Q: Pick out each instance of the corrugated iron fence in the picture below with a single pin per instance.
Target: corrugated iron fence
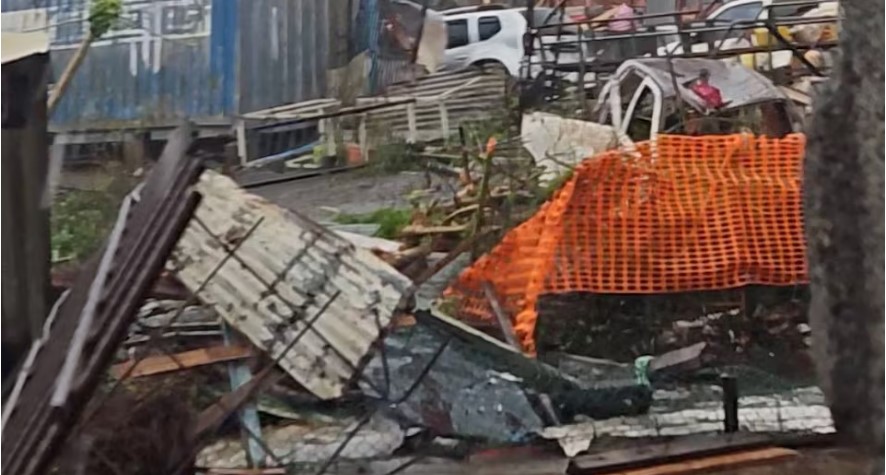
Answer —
(167, 59)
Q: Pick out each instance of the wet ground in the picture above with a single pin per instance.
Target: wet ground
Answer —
(354, 192)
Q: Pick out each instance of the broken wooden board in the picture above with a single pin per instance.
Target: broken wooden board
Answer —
(665, 452)
(290, 279)
(419, 230)
(159, 364)
(716, 463)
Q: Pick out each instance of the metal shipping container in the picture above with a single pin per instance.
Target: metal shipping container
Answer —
(208, 60)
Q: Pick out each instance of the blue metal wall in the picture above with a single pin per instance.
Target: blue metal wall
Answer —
(284, 47)
(203, 59)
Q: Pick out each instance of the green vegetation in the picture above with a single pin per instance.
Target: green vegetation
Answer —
(80, 221)
(391, 157)
(103, 16)
(550, 189)
(390, 220)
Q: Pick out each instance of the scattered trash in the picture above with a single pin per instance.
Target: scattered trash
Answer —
(546, 281)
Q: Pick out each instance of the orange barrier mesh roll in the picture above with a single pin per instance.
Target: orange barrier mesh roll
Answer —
(682, 214)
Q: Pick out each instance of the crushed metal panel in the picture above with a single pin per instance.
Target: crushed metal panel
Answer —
(318, 265)
(739, 85)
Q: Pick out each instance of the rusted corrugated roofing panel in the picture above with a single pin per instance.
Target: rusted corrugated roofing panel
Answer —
(283, 275)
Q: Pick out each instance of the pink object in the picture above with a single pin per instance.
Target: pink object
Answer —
(710, 94)
(623, 19)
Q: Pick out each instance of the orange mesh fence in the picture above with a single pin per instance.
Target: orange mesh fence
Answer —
(684, 214)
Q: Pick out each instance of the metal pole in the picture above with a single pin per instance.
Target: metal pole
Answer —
(374, 34)
(730, 403)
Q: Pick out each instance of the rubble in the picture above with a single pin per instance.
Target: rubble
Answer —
(300, 444)
(801, 410)
(165, 363)
(460, 395)
(678, 361)
(327, 342)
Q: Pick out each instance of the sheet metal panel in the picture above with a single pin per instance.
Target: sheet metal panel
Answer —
(25, 210)
(312, 272)
(152, 69)
(284, 47)
(204, 59)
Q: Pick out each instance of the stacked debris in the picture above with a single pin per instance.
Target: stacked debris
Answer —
(299, 346)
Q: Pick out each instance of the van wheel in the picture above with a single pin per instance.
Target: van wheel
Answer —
(488, 66)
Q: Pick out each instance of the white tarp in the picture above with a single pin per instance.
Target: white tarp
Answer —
(558, 144)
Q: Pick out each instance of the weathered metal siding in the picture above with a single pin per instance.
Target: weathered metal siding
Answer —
(284, 47)
(154, 68)
(203, 59)
(25, 211)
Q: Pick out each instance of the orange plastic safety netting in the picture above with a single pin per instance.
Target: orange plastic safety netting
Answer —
(682, 214)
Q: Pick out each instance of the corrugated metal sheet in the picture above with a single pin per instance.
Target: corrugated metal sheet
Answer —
(203, 59)
(468, 96)
(307, 265)
(284, 46)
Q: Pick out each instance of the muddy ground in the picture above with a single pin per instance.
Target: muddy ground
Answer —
(351, 192)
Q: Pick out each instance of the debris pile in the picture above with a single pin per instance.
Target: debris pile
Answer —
(592, 304)
(620, 226)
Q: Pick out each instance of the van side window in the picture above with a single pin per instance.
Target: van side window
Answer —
(456, 33)
(748, 11)
(488, 26)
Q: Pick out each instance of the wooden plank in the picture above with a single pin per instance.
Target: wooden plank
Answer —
(164, 363)
(715, 463)
(246, 471)
(419, 230)
(681, 448)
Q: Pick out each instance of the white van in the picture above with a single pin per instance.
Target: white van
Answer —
(494, 36)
